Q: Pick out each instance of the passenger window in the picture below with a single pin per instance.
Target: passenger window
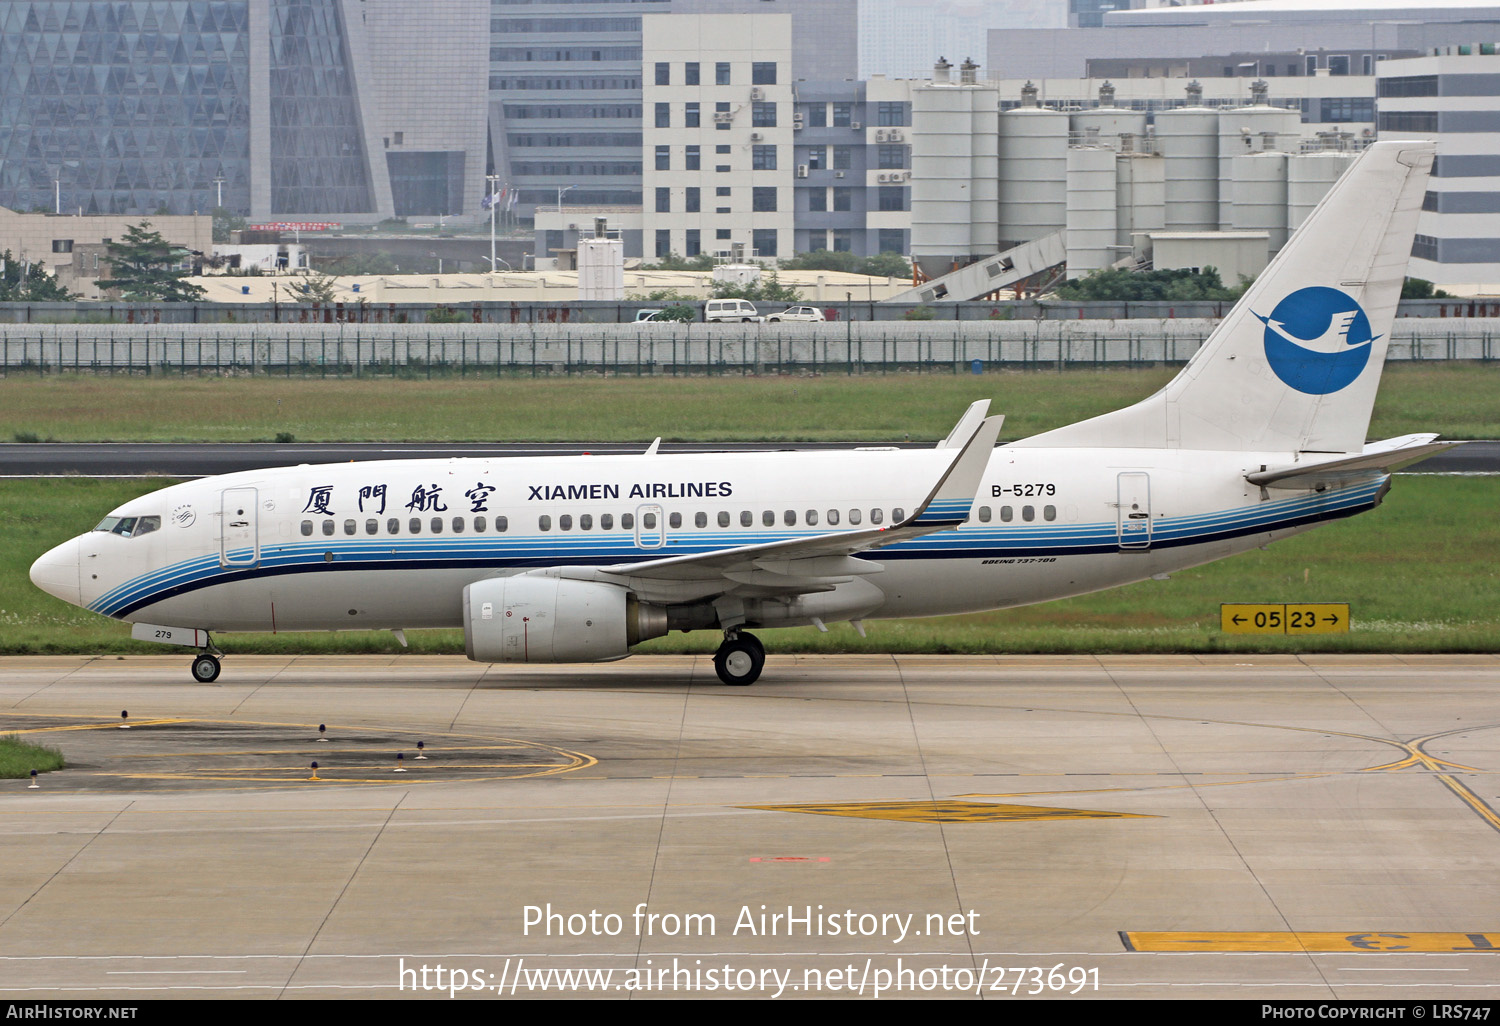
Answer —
(627, 521)
(307, 528)
(1028, 513)
(606, 521)
(350, 527)
(328, 528)
(674, 519)
(984, 514)
(146, 525)
(897, 515)
(479, 525)
(544, 523)
(854, 517)
(372, 527)
(768, 517)
(393, 526)
(502, 524)
(700, 519)
(812, 518)
(876, 516)
(747, 518)
(437, 525)
(1007, 514)
(414, 525)
(458, 525)
(789, 518)
(586, 522)
(565, 522)
(1049, 512)
(648, 521)
(833, 518)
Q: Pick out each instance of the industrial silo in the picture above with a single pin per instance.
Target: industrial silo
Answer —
(1108, 125)
(953, 186)
(1258, 196)
(1033, 164)
(1309, 176)
(1258, 128)
(1140, 188)
(1090, 209)
(1188, 140)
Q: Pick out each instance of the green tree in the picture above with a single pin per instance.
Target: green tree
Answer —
(1181, 285)
(882, 265)
(145, 268)
(825, 260)
(21, 282)
(673, 262)
(767, 290)
(887, 265)
(1421, 288)
(226, 221)
(316, 288)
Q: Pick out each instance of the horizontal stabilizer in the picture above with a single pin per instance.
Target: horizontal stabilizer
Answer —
(1378, 458)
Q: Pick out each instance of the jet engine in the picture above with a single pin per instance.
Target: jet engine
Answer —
(550, 620)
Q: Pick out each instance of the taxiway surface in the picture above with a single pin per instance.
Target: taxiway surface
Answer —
(1246, 827)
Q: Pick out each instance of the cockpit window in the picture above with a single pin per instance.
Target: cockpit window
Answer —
(129, 527)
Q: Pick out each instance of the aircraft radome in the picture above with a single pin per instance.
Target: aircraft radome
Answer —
(580, 558)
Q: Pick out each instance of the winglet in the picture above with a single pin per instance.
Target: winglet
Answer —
(652, 449)
(964, 429)
(949, 503)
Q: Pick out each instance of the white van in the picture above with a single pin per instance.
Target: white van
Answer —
(731, 310)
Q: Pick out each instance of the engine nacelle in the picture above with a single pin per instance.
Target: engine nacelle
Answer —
(551, 620)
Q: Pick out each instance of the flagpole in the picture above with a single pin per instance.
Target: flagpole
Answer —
(492, 180)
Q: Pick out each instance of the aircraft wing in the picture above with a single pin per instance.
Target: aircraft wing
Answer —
(820, 562)
(1378, 458)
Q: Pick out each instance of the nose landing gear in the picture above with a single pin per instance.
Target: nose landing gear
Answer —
(205, 668)
(206, 662)
(740, 659)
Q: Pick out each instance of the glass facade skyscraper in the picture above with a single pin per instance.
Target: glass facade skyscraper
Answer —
(124, 107)
(318, 159)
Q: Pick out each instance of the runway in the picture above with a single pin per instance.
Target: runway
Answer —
(185, 460)
(1267, 827)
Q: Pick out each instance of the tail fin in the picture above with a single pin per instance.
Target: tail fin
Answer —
(1295, 365)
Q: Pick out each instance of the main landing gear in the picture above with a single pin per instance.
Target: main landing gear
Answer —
(740, 659)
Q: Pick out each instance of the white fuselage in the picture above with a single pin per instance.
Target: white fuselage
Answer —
(392, 545)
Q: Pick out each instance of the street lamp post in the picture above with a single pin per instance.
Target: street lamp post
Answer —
(561, 189)
(219, 185)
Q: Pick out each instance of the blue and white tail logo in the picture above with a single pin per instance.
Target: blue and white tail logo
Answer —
(1317, 340)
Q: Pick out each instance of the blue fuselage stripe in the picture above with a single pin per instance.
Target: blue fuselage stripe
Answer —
(499, 551)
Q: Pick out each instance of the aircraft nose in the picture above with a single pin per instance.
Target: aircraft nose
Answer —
(56, 572)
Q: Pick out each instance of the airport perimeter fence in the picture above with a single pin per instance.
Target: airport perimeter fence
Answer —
(472, 350)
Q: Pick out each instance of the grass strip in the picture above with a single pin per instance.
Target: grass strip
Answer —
(1456, 399)
(18, 758)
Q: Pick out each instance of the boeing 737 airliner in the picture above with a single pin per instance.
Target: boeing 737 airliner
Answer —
(578, 559)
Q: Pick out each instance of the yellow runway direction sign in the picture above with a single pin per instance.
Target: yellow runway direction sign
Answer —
(1284, 617)
(1335, 943)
